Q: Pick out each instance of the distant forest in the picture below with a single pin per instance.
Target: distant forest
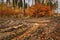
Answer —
(28, 3)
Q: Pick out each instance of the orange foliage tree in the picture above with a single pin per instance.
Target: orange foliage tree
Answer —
(39, 10)
(6, 11)
(35, 10)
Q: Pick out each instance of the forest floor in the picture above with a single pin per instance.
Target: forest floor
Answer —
(43, 28)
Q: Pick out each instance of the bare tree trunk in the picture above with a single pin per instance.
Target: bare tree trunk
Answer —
(32, 2)
(14, 3)
(2, 1)
(8, 2)
(24, 6)
(28, 4)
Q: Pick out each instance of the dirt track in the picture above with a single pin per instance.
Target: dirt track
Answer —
(30, 29)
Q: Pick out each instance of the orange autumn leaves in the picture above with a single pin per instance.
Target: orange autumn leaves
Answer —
(4, 11)
(7, 11)
(35, 10)
(38, 10)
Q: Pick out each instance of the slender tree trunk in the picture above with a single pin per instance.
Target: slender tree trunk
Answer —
(35, 1)
(8, 2)
(14, 3)
(20, 3)
(2, 1)
(24, 7)
(32, 2)
(28, 3)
